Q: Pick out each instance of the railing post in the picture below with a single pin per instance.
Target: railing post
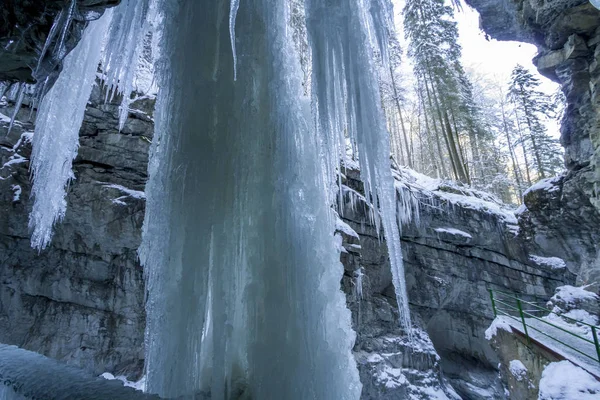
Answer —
(523, 319)
(493, 303)
(595, 334)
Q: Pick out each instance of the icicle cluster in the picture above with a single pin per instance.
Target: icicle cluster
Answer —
(125, 41)
(56, 137)
(346, 98)
(62, 109)
(242, 274)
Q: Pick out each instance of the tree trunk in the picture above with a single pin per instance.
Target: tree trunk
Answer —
(408, 154)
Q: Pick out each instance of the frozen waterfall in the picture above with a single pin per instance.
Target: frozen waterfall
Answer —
(242, 269)
(243, 275)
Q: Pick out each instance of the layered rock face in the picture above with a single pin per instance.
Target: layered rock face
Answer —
(35, 35)
(82, 299)
(458, 245)
(563, 222)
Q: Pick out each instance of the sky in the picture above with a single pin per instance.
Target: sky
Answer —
(494, 58)
(491, 59)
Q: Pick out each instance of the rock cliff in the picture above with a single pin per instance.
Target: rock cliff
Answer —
(563, 221)
(35, 35)
(82, 299)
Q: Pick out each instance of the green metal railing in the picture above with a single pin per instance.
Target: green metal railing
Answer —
(513, 306)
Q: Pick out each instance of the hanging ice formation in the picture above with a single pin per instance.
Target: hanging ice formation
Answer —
(346, 96)
(242, 275)
(56, 137)
(61, 111)
(243, 278)
(124, 43)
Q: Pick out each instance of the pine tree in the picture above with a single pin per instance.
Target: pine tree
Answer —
(448, 97)
(532, 107)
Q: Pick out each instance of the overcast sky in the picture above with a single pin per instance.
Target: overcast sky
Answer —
(489, 58)
(494, 58)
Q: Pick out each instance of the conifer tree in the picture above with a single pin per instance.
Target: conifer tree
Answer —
(532, 107)
(448, 97)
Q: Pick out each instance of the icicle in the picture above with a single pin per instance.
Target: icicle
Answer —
(233, 10)
(340, 33)
(59, 48)
(49, 39)
(56, 137)
(358, 283)
(124, 44)
(18, 105)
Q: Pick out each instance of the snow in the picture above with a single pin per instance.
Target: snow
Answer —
(139, 385)
(391, 378)
(500, 322)
(548, 185)
(564, 381)
(573, 294)
(453, 231)
(481, 205)
(549, 262)
(26, 137)
(517, 369)
(136, 194)
(458, 195)
(521, 209)
(16, 192)
(573, 340)
(15, 159)
(345, 228)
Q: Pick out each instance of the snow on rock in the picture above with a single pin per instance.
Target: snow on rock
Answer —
(25, 138)
(345, 228)
(548, 262)
(15, 159)
(16, 192)
(455, 232)
(139, 385)
(497, 323)
(573, 295)
(565, 381)
(136, 194)
(391, 378)
(518, 370)
(549, 185)
(338, 241)
(456, 194)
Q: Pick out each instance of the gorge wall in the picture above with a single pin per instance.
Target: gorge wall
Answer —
(82, 299)
(563, 221)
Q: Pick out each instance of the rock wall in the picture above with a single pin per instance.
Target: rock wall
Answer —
(459, 244)
(24, 30)
(82, 299)
(567, 33)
